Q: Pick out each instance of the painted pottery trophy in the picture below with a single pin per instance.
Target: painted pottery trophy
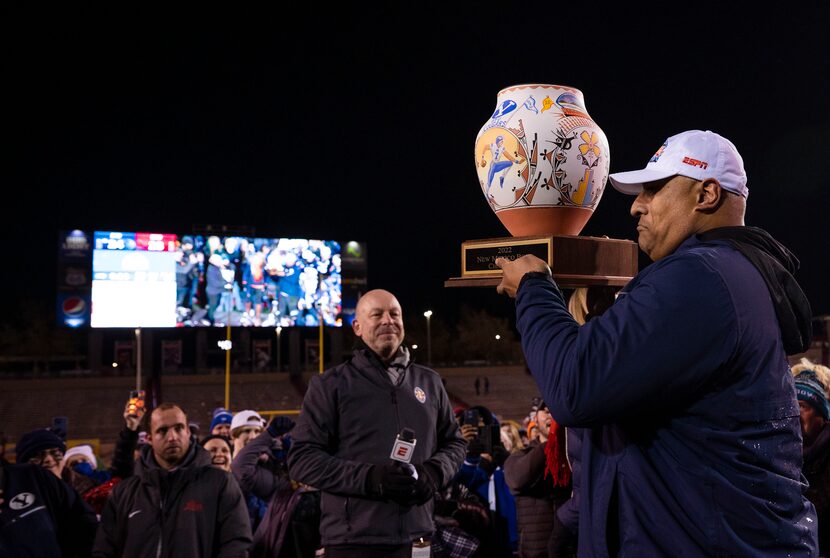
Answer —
(542, 165)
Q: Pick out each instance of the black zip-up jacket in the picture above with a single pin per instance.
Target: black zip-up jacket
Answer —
(41, 516)
(195, 510)
(349, 420)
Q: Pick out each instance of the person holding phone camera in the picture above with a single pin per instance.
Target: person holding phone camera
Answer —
(482, 473)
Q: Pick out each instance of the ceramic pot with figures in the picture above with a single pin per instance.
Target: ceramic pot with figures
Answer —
(542, 161)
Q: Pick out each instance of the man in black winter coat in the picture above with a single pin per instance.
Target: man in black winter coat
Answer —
(176, 504)
(346, 431)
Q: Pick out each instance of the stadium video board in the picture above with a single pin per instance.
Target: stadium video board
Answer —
(144, 279)
(133, 280)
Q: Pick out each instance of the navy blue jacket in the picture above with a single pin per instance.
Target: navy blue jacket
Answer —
(695, 445)
(568, 512)
(42, 516)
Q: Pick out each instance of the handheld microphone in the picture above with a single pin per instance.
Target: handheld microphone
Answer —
(403, 450)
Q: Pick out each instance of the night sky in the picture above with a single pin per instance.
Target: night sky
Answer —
(361, 125)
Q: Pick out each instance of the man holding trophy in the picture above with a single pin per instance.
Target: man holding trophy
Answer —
(693, 445)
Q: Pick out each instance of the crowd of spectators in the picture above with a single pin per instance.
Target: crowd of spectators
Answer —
(257, 281)
(169, 493)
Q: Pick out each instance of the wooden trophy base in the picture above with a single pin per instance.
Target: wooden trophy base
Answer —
(576, 261)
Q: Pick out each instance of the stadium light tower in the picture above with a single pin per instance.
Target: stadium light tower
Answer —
(138, 358)
(428, 315)
(279, 349)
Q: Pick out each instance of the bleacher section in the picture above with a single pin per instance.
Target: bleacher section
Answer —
(94, 405)
(511, 389)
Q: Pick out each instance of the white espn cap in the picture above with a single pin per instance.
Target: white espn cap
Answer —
(696, 154)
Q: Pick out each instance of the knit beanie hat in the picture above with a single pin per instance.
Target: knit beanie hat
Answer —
(85, 450)
(32, 443)
(220, 416)
(808, 388)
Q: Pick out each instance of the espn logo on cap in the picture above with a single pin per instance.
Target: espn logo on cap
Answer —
(695, 163)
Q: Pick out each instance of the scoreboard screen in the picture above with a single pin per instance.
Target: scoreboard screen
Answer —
(147, 279)
(133, 280)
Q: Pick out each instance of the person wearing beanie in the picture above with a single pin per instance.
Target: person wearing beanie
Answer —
(79, 454)
(40, 515)
(41, 447)
(220, 425)
(811, 388)
(811, 384)
(683, 382)
(540, 482)
(79, 467)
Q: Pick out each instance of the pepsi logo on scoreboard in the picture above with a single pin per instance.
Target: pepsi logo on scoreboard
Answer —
(73, 310)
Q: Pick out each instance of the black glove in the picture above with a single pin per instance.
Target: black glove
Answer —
(279, 425)
(390, 482)
(500, 455)
(427, 483)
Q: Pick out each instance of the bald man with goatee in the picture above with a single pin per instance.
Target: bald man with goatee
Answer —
(348, 426)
